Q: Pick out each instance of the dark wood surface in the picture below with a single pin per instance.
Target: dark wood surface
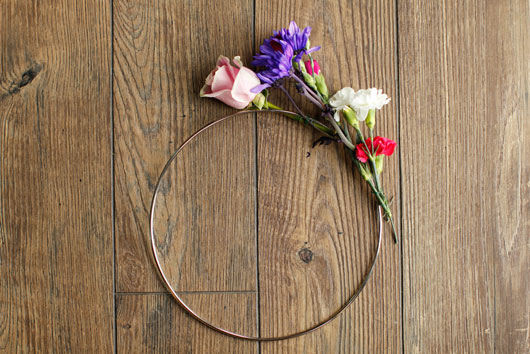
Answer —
(56, 245)
(259, 232)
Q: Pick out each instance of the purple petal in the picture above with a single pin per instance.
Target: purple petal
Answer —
(259, 88)
(314, 49)
(293, 28)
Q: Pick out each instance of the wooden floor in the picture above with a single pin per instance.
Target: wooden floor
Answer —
(260, 232)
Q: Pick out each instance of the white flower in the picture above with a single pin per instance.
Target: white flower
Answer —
(365, 100)
(341, 99)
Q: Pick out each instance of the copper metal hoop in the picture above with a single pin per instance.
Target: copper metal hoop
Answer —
(193, 313)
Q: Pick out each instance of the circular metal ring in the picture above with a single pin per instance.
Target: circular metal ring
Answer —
(193, 313)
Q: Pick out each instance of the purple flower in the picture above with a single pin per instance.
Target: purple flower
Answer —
(278, 52)
(276, 58)
(297, 39)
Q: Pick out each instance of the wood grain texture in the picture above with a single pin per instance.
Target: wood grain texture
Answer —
(317, 204)
(464, 109)
(163, 52)
(272, 240)
(507, 174)
(204, 216)
(154, 323)
(55, 185)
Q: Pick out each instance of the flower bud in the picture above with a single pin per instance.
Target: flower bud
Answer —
(297, 67)
(310, 69)
(379, 163)
(259, 100)
(234, 90)
(309, 80)
(370, 119)
(321, 86)
(365, 172)
(350, 117)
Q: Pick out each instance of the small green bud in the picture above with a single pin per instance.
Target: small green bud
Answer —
(259, 100)
(365, 171)
(379, 164)
(351, 117)
(309, 80)
(321, 86)
(303, 68)
(308, 44)
(370, 119)
(297, 66)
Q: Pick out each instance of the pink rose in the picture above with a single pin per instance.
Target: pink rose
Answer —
(382, 146)
(231, 85)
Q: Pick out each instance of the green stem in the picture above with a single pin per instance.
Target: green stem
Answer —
(313, 122)
(360, 135)
(339, 131)
(372, 139)
(384, 204)
(376, 188)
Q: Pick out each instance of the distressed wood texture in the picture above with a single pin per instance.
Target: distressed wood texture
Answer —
(151, 323)
(318, 204)
(163, 50)
(259, 232)
(464, 84)
(55, 180)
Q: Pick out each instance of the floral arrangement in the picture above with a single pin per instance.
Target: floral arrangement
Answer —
(287, 57)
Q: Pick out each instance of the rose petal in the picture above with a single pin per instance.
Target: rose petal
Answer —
(222, 80)
(238, 62)
(225, 96)
(222, 61)
(246, 80)
(209, 78)
(206, 89)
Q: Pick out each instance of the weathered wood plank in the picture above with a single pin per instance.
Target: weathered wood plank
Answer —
(464, 100)
(318, 203)
(507, 172)
(154, 323)
(55, 182)
(447, 304)
(163, 52)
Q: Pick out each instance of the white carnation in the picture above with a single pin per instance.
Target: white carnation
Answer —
(341, 99)
(365, 100)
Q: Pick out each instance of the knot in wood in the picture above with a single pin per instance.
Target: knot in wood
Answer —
(306, 255)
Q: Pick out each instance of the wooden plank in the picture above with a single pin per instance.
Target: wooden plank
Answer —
(163, 52)
(507, 174)
(55, 205)
(318, 204)
(464, 77)
(154, 323)
(447, 304)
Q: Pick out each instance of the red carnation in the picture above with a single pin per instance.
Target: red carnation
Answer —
(382, 146)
